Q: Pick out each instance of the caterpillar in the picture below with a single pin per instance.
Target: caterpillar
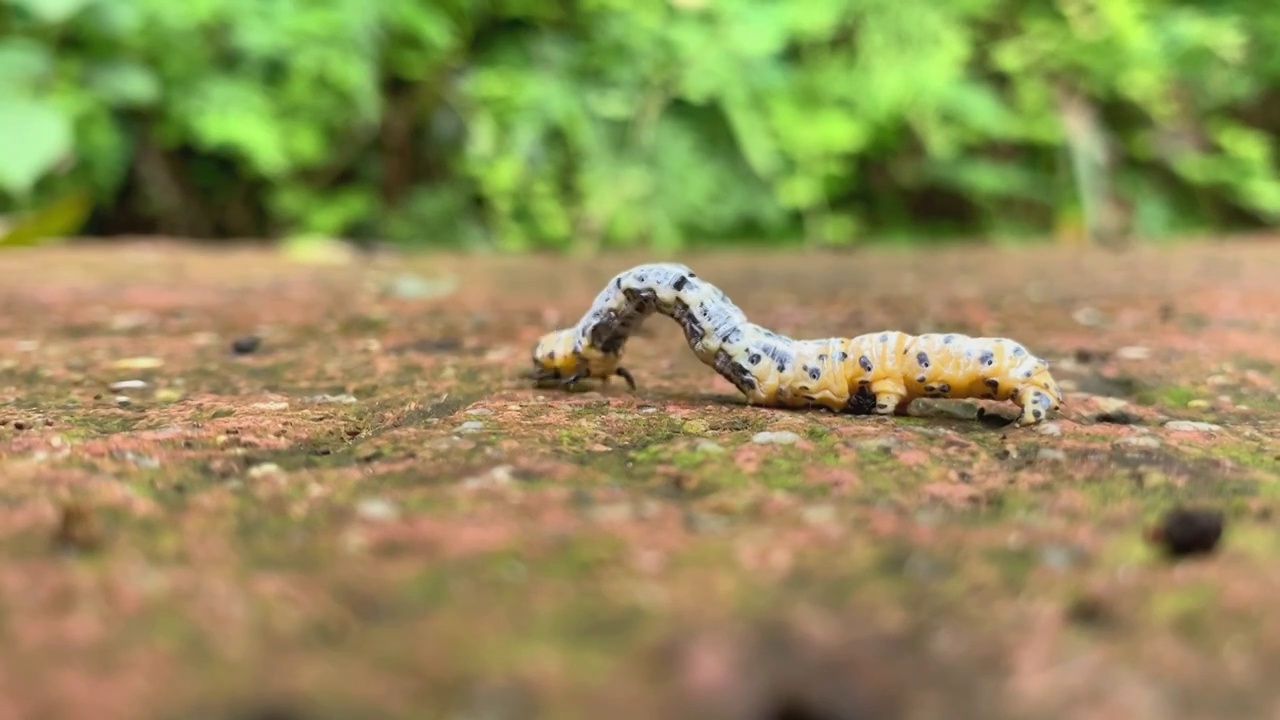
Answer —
(879, 372)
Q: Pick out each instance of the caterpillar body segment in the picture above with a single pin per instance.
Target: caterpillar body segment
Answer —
(936, 365)
(874, 373)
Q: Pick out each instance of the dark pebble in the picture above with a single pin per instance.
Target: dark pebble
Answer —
(79, 529)
(1184, 532)
(1119, 417)
(1088, 355)
(246, 345)
(1091, 610)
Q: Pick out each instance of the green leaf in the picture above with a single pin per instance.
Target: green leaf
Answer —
(59, 219)
(124, 84)
(23, 63)
(34, 137)
(52, 12)
(238, 116)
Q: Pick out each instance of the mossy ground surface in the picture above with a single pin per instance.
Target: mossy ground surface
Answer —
(373, 516)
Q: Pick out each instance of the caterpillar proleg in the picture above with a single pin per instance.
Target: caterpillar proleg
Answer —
(879, 372)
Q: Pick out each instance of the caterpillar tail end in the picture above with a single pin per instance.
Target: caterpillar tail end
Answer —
(1036, 404)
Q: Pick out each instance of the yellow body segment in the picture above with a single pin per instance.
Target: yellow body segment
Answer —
(875, 363)
(769, 386)
(816, 378)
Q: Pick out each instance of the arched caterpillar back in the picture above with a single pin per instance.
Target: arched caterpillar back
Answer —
(872, 373)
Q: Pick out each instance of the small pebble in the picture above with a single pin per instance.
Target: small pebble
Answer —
(781, 437)
(142, 461)
(693, 427)
(1140, 441)
(1059, 557)
(408, 286)
(128, 385)
(479, 411)
(131, 320)
(883, 445)
(377, 510)
(470, 426)
(1198, 404)
(246, 344)
(264, 469)
(700, 522)
(278, 405)
(1089, 609)
(611, 512)
(1133, 352)
(1191, 426)
(1049, 429)
(79, 529)
(707, 446)
(497, 476)
(819, 515)
(1118, 417)
(1107, 404)
(1050, 454)
(138, 363)
(123, 400)
(1089, 317)
(344, 399)
(1184, 532)
(944, 408)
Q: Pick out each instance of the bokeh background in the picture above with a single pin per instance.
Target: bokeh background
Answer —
(578, 125)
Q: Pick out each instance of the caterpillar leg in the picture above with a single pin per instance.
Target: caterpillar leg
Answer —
(572, 381)
(626, 375)
(891, 397)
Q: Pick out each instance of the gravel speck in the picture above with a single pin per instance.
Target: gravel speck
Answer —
(1133, 352)
(377, 510)
(780, 437)
(1139, 441)
(1191, 426)
(265, 469)
(344, 399)
(1049, 429)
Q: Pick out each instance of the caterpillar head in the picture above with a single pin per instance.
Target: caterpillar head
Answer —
(557, 357)
(554, 357)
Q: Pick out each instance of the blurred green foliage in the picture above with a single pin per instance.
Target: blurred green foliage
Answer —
(577, 124)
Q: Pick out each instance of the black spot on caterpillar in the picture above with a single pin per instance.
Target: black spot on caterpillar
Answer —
(888, 368)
